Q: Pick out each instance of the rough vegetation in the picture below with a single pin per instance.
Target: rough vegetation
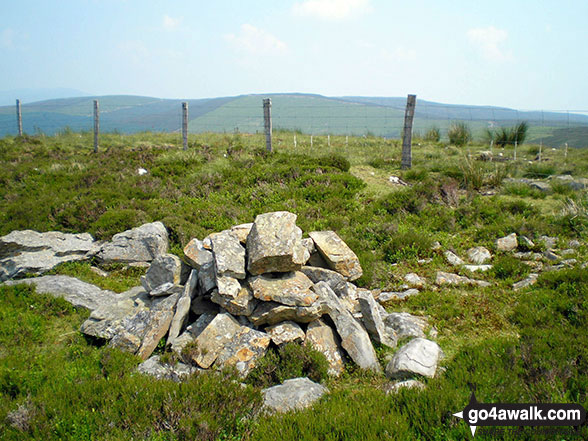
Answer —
(512, 345)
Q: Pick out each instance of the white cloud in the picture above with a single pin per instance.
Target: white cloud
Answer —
(7, 38)
(489, 41)
(332, 9)
(171, 24)
(256, 41)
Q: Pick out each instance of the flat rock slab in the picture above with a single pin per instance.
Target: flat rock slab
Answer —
(165, 268)
(285, 332)
(323, 339)
(444, 278)
(394, 388)
(291, 289)
(530, 280)
(373, 321)
(274, 244)
(294, 394)
(176, 372)
(418, 357)
(141, 244)
(270, 313)
(337, 254)
(243, 351)
(406, 325)
(228, 254)
(79, 294)
(28, 251)
(479, 255)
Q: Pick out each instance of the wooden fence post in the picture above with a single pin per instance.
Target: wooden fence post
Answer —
(407, 133)
(267, 123)
(18, 117)
(185, 125)
(96, 125)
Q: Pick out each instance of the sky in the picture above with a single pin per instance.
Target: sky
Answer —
(525, 54)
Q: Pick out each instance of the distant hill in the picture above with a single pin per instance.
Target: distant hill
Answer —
(315, 114)
(8, 97)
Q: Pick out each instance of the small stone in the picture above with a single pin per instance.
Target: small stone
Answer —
(323, 339)
(481, 268)
(550, 255)
(242, 231)
(406, 325)
(452, 258)
(526, 243)
(196, 255)
(569, 262)
(337, 254)
(229, 255)
(294, 394)
(444, 278)
(574, 243)
(176, 372)
(239, 303)
(415, 280)
(394, 388)
(549, 242)
(99, 271)
(285, 332)
(567, 252)
(243, 351)
(479, 255)
(165, 289)
(507, 243)
(385, 297)
(291, 289)
(530, 280)
(418, 357)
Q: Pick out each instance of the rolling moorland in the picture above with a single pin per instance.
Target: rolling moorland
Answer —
(519, 346)
(310, 114)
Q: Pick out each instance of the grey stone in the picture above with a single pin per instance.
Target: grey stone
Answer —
(165, 268)
(479, 255)
(395, 387)
(454, 279)
(323, 339)
(549, 242)
(229, 255)
(294, 394)
(183, 308)
(196, 255)
(452, 258)
(275, 244)
(574, 243)
(177, 372)
(387, 296)
(243, 351)
(541, 186)
(285, 332)
(337, 254)
(530, 280)
(191, 332)
(526, 243)
(550, 255)
(214, 337)
(373, 321)
(354, 338)
(335, 280)
(292, 289)
(415, 280)
(79, 294)
(309, 249)
(481, 268)
(417, 357)
(507, 243)
(240, 303)
(270, 313)
(165, 290)
(31, 252)
(141, 244)
(406, 325)
(99, 271)
(569, 262)
(242, 231)
(567, 252)
(207, 278)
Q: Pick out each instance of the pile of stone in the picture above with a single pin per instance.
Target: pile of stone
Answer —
(231, 296)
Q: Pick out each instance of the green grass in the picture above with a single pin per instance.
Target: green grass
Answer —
(513, 346)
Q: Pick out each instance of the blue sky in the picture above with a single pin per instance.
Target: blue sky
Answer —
(518, 53)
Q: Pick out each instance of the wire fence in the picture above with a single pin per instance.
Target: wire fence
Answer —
(303, 114)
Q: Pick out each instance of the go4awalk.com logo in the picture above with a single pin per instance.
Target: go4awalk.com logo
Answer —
(500, 414)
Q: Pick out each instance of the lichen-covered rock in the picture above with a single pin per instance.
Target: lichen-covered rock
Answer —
(240, 302)
(323, 339)
(453, 258)
(243, 350)
(507, 243)
(141, 244)
(285, 332)
(354, 338)
(176, 372)
(373, 321)
(444, 278)
(417, 357)
(242, 231)
(183, 308)
(406, 325)
(32, 252)
(479, 255)
(294, 394)
(166, 268)
(291, 289)
(337, 254)
(196, 255)
(229, 255)
(415, 280)
(275, 244)
(209, 343)
(270, 313)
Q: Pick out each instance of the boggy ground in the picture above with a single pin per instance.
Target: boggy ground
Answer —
(529, 345)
